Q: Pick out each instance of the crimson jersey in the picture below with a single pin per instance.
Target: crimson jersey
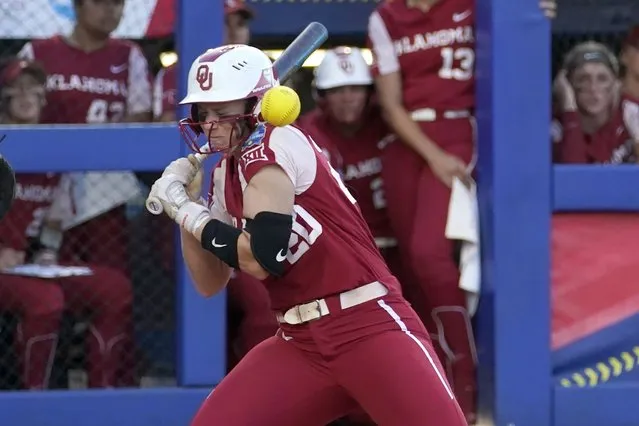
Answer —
(434, 51)
(165, 91)
(331, 249)
(91, 87)
(613, 143)
(358, 159)
(34, 195)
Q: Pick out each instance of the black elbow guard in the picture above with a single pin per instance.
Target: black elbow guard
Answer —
(270, 233)
(221, 240)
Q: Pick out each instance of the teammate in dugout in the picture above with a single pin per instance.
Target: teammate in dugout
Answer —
(594, 124)
(347, 125)
(424, 59)
(280, 213)
(43, 202)
(95, 79)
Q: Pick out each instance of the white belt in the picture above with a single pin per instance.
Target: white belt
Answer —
(316, 309)
(385, 242)
(429, 114)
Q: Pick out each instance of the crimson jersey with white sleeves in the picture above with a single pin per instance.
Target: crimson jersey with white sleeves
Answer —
(433, 50)
(91, 87)
(331, 249)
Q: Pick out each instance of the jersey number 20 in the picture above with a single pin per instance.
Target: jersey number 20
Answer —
(458, 63)
(306, 229)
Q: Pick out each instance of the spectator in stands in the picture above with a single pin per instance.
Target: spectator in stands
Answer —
(630, 85)
(31, 233)
(590, 125)
(237, 16)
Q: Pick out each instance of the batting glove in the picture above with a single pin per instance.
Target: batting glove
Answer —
(169, 189)
(189, 170)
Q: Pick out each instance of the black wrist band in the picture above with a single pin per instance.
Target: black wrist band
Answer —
(221, 240)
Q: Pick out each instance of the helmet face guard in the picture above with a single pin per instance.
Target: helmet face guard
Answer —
(228, 73)
(194, 134)
(199, 141)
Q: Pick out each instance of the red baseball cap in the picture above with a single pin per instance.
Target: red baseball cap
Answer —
(13, 68)
(238, 6)
(632, 39)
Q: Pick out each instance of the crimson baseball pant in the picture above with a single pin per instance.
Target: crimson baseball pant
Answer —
(376, 355)
(106, 295)
(417, 206)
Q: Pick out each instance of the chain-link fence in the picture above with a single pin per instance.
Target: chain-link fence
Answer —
(105, 317)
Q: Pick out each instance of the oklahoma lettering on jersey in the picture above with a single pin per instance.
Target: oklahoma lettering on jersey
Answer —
(95, 87)
(358, 159)
(433, 50)
(34, 195)
(331, 249)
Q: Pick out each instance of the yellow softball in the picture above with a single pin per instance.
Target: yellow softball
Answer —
(280, 106)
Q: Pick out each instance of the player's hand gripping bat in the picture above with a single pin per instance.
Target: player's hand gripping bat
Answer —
(291, 60)
(7, 185)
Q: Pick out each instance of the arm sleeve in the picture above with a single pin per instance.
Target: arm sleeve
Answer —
(385, 59)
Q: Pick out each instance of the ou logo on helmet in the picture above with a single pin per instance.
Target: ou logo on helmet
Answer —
(346, 65)
(204, 77)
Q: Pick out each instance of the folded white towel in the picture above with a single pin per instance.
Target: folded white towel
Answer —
(463, 225)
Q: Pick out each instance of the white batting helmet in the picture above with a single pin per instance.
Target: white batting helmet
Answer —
(229, 73)
(342, 66)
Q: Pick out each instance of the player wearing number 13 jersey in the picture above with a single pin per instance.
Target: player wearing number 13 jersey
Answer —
(279, 212)
(424, 58)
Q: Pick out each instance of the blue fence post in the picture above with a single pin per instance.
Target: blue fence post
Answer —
(201, 322)
(513, 67)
